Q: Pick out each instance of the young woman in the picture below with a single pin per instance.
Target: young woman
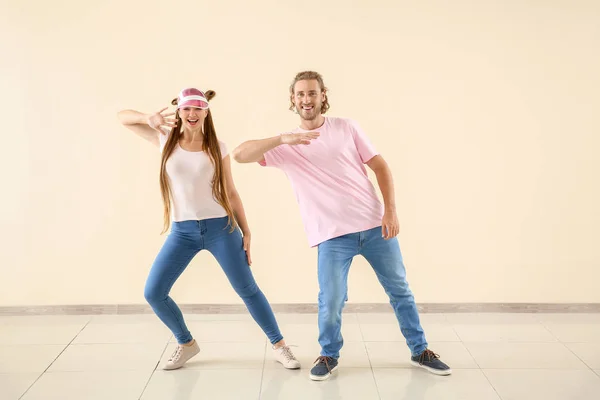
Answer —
(201, 201)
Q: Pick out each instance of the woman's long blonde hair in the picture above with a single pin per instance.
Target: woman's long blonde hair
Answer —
(210, 145)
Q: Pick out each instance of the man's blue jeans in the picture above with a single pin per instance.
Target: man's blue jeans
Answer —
(335, 257)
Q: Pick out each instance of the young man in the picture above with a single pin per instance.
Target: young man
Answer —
(324, 159)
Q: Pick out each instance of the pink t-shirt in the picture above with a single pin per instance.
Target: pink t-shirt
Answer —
(330, 180)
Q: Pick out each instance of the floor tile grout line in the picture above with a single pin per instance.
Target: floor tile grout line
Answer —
(550, 332)
(487, 378)
(155, 367)
(55, 358)
(471, 354)
(460, 339)
(262, 374)
(575, 354)
(482, 370)
(368, 358)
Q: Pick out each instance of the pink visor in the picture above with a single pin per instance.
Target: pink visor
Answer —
(192, 97)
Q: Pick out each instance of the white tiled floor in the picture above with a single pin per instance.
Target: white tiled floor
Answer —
(114, 357)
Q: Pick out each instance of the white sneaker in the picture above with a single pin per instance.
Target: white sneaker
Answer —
(285, 356)
(181, 355)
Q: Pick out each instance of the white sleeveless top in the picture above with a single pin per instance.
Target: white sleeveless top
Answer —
(190, 174)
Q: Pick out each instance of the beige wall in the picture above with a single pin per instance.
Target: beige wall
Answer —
(487, 112)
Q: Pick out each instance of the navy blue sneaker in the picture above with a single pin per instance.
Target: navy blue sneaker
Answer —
(323, 368)
(431, 362)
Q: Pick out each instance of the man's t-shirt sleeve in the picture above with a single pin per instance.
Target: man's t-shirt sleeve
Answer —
(363, 144)
(275, 157)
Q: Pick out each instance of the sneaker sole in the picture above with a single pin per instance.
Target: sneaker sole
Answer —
(323, 377)
(286, 367)
(441, 372)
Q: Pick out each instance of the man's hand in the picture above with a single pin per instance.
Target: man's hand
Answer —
(299, 138)
(389, 225)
